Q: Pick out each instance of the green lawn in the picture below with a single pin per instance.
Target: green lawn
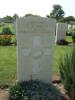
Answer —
(69, 38)
(8, 63)
(59, 52)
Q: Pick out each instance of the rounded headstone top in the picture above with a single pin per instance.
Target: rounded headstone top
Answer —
(35, 24)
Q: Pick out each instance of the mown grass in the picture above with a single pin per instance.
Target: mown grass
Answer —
(69, 38)
(8, 63)
(59, 52)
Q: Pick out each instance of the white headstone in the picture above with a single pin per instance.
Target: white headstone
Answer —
(61, 29)
(35, 42)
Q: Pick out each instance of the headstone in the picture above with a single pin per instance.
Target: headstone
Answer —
(61, 29)
(35, 42)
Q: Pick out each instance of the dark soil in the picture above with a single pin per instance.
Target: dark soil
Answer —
(62, 42)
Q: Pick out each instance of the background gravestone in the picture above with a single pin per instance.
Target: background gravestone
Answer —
(35, 41)
(61, 29)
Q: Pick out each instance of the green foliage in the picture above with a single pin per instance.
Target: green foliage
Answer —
(13, 41)
(73, 35)
(67, 19)
(30, 15)
(34, 90)
(69, 32)
(6, 30)
(15, 16)
(8, 17)
(67, 72)
(5, 39)
(57, 12)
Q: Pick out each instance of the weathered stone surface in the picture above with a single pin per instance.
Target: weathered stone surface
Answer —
(61, 29)
(35, 39)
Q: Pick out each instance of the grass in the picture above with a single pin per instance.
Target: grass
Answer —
(8, 63)
(59, 52)
(13, 39)
(69, 38)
